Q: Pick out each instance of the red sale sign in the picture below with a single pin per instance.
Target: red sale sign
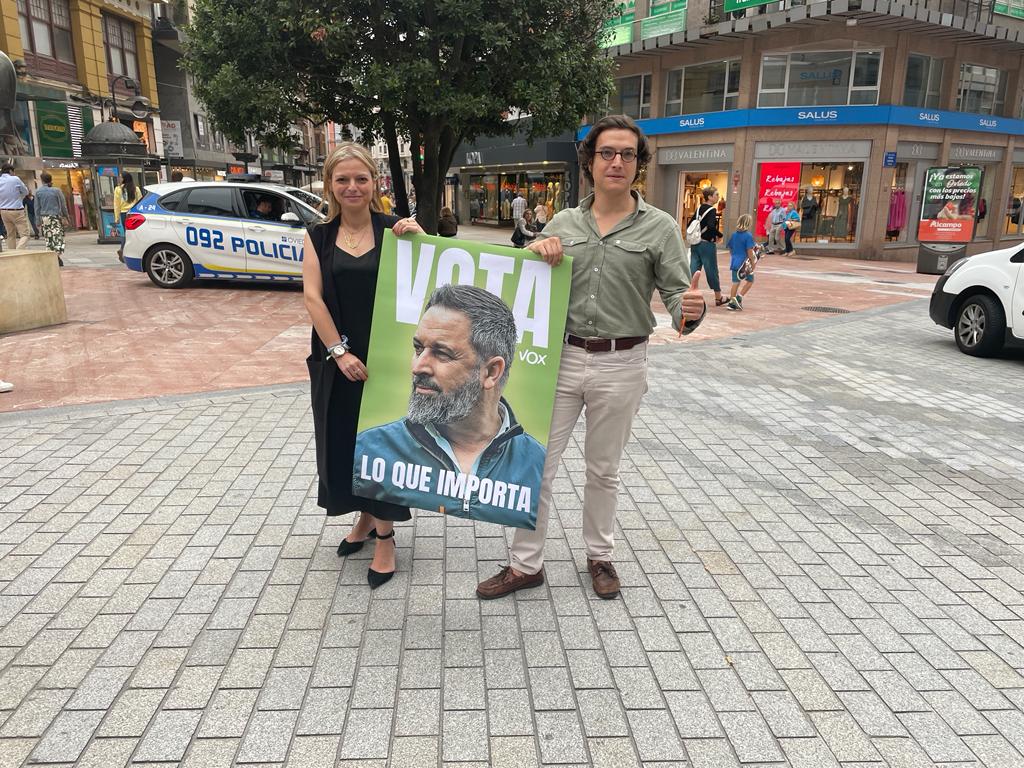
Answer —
(777, 181)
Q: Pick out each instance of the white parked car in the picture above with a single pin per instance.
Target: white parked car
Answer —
(982, 299)
(226, 230)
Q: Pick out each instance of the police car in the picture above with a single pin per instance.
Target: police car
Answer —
(227, 230)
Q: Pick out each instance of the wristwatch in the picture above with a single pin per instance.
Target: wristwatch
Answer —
(339, 349)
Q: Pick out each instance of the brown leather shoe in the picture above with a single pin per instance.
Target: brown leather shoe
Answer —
(507, 582)
(604, 578)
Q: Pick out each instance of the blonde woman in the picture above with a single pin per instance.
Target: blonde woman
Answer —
(339, 273)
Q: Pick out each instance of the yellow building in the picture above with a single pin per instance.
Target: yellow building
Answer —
(79, 62)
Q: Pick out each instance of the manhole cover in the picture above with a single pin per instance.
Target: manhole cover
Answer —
(827, 310)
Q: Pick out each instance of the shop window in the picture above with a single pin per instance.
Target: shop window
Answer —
(710, 87)
(632, 97)
(822, 78)
(923, 81)
(46, 36)
(1014, 217)
(982, 90)
(122, 52)
(829, 202)
(897, 219)
(984, 212)
(483, 197)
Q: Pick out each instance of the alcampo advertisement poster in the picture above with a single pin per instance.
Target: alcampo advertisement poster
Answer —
(776, 181)
(456, 412)
(949, 207)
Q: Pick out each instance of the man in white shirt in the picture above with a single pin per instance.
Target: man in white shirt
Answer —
(12, 207)
(518, 207)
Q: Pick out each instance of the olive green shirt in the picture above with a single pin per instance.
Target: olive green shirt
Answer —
(614, 276)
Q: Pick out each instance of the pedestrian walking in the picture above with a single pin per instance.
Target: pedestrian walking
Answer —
(775, 220)
(12, 207)
(622, 249)
(30, 208)
(792, 223)
(385, 204)
(741, 248)
(704, 255)
(540, 217)
(447, 225)
(126, 195)
(518, 206)
(339, 287)
(52, 215)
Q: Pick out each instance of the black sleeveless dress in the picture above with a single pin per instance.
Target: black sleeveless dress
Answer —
(349, 288)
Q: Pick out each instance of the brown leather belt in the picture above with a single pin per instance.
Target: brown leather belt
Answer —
(604, 345)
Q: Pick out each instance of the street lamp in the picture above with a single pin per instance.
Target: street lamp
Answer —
(140, 108)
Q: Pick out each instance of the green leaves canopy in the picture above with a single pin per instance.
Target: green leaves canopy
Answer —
(441, 71)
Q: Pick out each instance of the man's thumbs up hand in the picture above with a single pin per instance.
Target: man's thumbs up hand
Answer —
(693, 301)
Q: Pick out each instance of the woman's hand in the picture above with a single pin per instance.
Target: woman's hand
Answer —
(549, 249)
(352, 367)
(407, 226)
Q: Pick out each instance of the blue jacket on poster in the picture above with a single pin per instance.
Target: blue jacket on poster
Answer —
(404, 463)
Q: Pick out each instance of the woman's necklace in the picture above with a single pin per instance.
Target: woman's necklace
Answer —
(350, 240)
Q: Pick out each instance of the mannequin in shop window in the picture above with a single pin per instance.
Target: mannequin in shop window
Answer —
(808, 214)
(841, 228)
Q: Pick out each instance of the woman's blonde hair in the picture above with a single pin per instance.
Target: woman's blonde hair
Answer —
(349, 151)
(744, 221)
(708, 193)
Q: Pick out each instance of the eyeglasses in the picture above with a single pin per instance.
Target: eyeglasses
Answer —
(608, 154)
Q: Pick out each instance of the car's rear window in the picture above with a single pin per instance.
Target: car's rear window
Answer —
(173, 200)
(210, 201)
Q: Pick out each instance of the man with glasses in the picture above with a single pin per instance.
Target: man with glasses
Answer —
(622, 249)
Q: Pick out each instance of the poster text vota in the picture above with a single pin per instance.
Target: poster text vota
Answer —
(416, 261)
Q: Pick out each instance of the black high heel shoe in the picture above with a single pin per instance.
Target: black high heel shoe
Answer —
(347, 547)
(376, 578)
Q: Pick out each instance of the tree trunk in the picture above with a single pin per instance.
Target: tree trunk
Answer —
(400, 196)
(429, 190)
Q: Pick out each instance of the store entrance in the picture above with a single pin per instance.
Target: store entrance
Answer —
(691, 186)
(76, 184)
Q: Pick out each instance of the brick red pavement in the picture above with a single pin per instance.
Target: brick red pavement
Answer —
(125, 338)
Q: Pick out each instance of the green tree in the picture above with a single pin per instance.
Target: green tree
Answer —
(434, 71)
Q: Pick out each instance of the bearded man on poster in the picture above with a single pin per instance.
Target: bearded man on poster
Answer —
(458, 423)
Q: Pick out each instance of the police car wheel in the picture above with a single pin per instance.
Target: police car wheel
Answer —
(168, 267)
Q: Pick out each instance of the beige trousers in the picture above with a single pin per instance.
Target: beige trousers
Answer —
(17, 226)
(607, 387)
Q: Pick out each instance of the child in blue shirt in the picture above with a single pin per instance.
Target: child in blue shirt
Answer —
(741, 248)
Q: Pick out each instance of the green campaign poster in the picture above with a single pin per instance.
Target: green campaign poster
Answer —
(738, 5)
(666, 17)
(456, 411)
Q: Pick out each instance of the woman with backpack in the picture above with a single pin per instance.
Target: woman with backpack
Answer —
(703, 254)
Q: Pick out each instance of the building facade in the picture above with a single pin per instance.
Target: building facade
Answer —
(79, 62)
(841, 106)
(190, 143)
(487, 174)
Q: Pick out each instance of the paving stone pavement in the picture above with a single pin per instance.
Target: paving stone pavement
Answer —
(821, 538)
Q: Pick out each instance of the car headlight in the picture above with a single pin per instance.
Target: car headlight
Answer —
(955, 266)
